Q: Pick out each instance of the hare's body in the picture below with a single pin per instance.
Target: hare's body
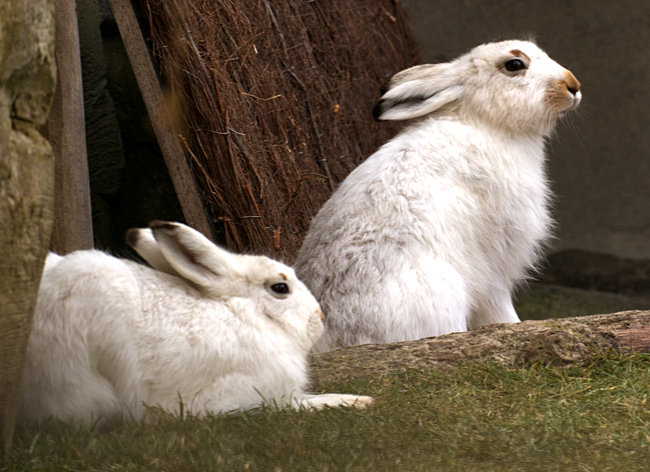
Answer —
(111, 336)
(432, 232)
(382, 225)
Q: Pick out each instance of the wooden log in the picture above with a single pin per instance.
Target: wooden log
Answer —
(67, 133)
(553, 342)
(179, 170)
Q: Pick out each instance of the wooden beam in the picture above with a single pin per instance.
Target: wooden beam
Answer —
(67, 133)
(177, 165)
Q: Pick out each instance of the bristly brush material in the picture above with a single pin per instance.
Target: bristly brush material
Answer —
(273, 103)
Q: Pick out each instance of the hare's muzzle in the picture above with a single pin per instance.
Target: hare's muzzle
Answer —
(572, 84)
(564, 94)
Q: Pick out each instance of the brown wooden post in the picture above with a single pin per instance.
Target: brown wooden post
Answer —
(177, 165)
(67, 134)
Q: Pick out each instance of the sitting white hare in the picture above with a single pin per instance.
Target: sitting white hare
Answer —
(432, 232)
(222, 332)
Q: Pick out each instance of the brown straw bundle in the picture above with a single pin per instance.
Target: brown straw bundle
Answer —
(273, 103)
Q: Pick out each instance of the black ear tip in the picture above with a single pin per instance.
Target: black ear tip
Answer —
(385, 87)
(132, 236)
(158, 224)
(166, 227)
(378, 110)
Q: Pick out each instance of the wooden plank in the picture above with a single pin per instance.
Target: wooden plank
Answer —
(177, 165)
(67, 133)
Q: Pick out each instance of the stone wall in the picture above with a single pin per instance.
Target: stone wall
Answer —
(27, 79)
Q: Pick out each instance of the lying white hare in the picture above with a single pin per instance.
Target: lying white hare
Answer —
(224, 332)
(432, 232)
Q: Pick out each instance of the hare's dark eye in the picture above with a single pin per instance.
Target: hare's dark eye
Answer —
(280, 288)
(514, 65)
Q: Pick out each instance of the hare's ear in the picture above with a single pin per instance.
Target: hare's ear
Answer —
(196, 259)
(418, 91)
(143, 242)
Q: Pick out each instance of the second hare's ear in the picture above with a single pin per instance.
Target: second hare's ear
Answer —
(143, 242)
(418, 91)
(196, 259)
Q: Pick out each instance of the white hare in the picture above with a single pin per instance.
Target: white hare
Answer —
(225, 332)
(432, 232)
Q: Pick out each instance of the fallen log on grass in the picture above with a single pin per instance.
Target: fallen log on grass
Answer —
(553, 342)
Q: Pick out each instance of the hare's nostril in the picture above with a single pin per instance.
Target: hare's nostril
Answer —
(572, 84)
(574, 90)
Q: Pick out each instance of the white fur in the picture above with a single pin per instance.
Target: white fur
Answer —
(432, 232)
(111, 336)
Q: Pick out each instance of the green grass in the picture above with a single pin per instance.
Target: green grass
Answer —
(592, 417)
(540, 302)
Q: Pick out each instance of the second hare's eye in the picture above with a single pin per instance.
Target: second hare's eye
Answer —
(514, 65)
(280, 288)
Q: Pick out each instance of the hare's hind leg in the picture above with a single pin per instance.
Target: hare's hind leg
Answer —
(331, 400)
(395, 299)
(431, 300)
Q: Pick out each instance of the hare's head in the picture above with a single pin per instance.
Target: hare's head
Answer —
(264, 287)
(512, 85)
